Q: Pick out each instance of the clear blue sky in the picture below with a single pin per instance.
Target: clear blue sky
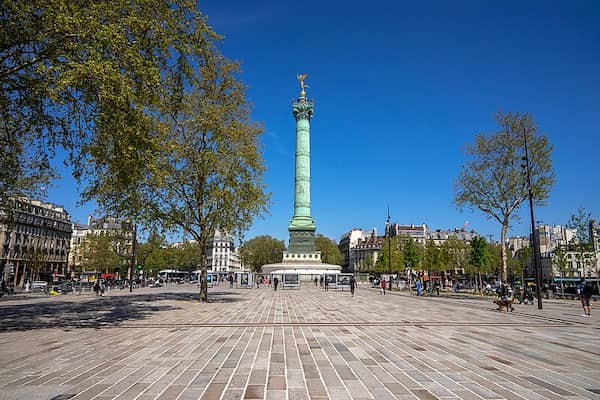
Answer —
(399, 88)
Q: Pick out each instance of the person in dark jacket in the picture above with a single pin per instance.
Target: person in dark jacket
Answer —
(586, 296)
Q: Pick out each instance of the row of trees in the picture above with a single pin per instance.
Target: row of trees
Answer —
(100, 253)
(476, 258)
(152, 117)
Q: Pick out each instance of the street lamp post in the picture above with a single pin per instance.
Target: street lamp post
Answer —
(132, 258)
(389, 234)
(536, 247)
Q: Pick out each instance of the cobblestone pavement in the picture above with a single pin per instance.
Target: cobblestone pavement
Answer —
(162, 343)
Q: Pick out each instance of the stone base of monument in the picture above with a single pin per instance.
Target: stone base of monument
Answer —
(307, 265)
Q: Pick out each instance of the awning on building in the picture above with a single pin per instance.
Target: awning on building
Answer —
(577, 279)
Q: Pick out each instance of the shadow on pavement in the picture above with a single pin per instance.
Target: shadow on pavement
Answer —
(95, 312)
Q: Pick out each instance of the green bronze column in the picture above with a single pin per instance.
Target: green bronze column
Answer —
(302, 226)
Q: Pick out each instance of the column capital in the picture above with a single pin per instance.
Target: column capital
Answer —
(303, 108)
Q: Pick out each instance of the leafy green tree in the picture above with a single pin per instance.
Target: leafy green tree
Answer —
(431, 256)
(152, 255)
(87, 77)
(99, 253)
(445, 256)
(492, 179)
(457, 254)
(206, 170)
(383, 261)
(411, 253)
(261, 250)
(494, 251)
(35, 260)
(479, 257)
(524, 257)
(582, 242)
(330, 252)
(559, 261)
(188, 256)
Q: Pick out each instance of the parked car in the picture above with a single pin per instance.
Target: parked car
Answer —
(65, 287)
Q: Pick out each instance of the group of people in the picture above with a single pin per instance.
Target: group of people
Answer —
(506, 296)
(99, 287)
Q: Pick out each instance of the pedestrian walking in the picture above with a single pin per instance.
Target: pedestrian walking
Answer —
(586, 296)
(321, 281)
(352, 285)
(230, 281)
(326, 284)
(419, 287)
(382, 283)
(275, 282)
(316, 280)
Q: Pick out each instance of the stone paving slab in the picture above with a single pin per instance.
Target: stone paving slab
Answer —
(162, 343)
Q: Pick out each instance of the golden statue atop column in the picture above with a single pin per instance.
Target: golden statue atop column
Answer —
(301, 78)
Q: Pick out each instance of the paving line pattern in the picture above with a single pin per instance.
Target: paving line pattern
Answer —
(293, 344)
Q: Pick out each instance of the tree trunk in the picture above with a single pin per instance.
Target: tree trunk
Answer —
(503, 248)
(562, 282)
(203, 274)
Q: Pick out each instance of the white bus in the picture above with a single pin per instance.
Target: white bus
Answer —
(173, 275)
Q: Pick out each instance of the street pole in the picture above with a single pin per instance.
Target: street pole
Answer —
(536, 253)
(389, 247)
(132, 259)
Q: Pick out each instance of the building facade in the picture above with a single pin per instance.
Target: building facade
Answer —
(440, 236)
(78, 235)
(417, 232)
(35, 238)
(348, 242)
(121, 232)
(221, 254)
(553, 236)
(365, 253)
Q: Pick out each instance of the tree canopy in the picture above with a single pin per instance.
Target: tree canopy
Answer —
(582, 241)
(493, 181)
(99, 254)
(87, 76)
(261, 250)
(330, 252)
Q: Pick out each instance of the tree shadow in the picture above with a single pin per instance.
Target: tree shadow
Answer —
(95, 312)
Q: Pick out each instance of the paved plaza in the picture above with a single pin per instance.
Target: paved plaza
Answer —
(162, 343)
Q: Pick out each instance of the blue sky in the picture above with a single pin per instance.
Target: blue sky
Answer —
(399, 89)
